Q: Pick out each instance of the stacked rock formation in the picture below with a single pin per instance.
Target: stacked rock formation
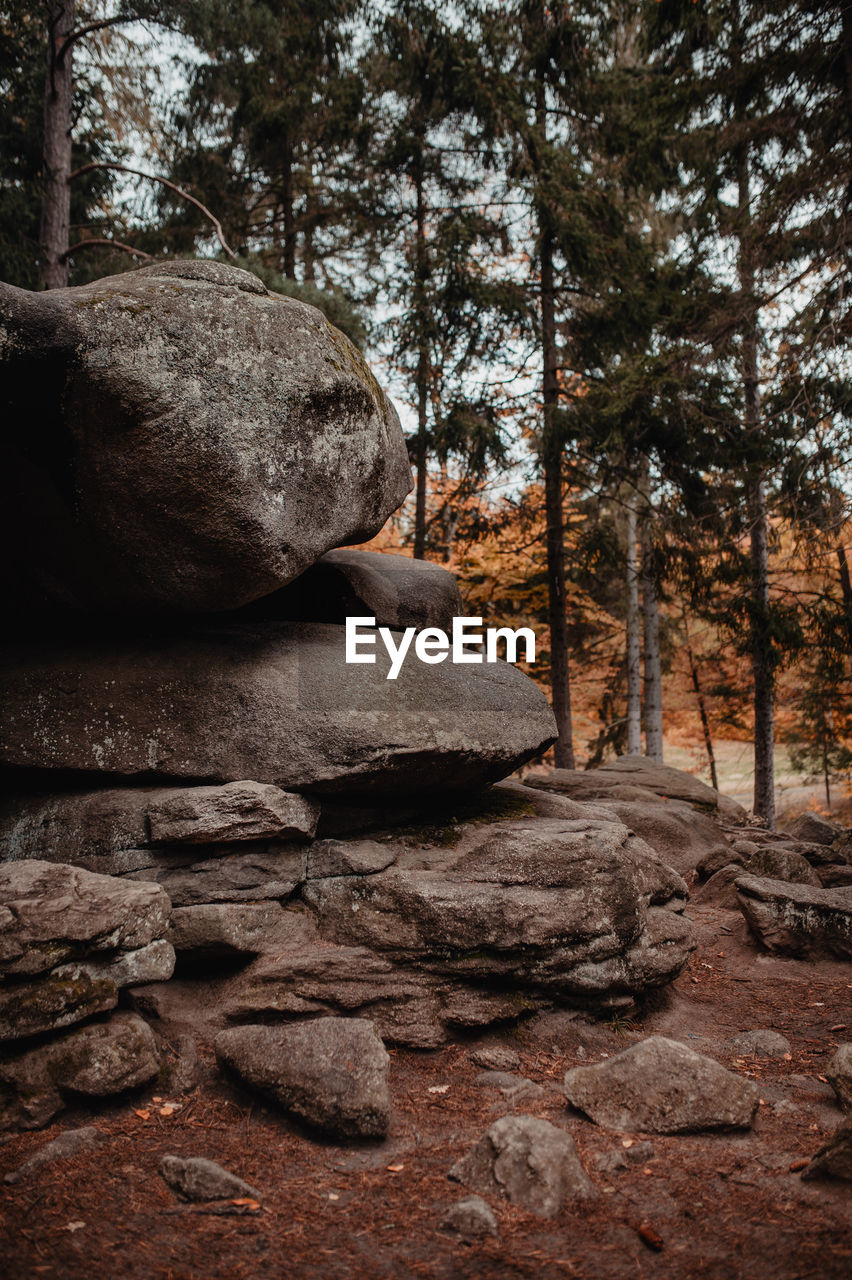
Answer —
(188, 457)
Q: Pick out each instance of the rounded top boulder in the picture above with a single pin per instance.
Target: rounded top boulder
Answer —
(181, 439)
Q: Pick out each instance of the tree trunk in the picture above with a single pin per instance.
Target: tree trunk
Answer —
(762, 650)
(846, 589)
(702, 709)
(288, 265)
(634, 680)
(551, 457)
(422, 375)
(651, 629)
(55, 228)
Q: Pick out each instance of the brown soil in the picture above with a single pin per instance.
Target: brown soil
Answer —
(705, 1205)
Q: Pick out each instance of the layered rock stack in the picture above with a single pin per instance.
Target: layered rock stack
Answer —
(187, 458)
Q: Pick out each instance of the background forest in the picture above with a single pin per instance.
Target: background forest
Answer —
(599, 254)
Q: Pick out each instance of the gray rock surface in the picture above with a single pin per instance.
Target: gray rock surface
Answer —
(720, 890)
(812, 828)
(222, 929)
(527, 1161)
(265, 871)
(680, 834)
(73, 826)
(632, 778)
(197, 1179)
(568, 907)
(249, 431)
(798, 920)
(761, 1043)
(838, 1073)
(470, 1218)
(782, 864)
(834, 1158)
(332, 1073)
(94, 1061)
(276, 702)
(496, 1059)
(660, 1086)
(70, 1143)
(52, 1001)
(395, 590)
(237, 811)
(50, 913)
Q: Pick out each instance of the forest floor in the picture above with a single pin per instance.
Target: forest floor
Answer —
(718, 1205)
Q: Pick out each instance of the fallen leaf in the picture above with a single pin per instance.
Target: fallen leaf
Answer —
(155, 1099)
(395, 1168)
(75, 1226)
(823, 1079)
(841, 1026)
(169, 1108)
(788, 1057)
(246, 1202)
(627, 1142)
(143, 1115)
(799, 1164)
(332, 1195)
(438, 1088)
(649, 1236)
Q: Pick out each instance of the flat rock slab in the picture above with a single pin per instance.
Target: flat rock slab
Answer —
(773, 863)
(197, 1179)
(222, 929)
(660, 1086)
(638, 778)
(248, 429)
(68, 1144)
(275, 702)
(331, 1073)
(797, 919)
(237, 811)
(527, 1161)
(95, 1061)
(257, 873)
(74, 991)
(50, 913)
(397, 591)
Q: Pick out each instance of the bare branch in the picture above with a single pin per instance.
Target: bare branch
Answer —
(87, 31)
(110, 244)
(152, 177)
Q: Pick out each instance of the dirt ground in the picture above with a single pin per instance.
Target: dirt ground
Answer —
(704, 1205)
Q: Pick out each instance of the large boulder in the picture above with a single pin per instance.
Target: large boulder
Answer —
(573, 908)
(51, 914)
(797, 919)
(397, 591)
(182, 439)
(660, 1086)
(95, 1061)
(276, 702)
(633, 778)
(331, 1073)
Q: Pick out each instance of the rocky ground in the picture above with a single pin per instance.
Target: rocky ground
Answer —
(710, 1204)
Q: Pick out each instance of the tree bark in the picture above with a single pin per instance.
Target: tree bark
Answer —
(634, 674)
(846, 589)
(55, 230)
(762, 649)
(702, 708)
(551, 457)
(651, 629)
(288, 266)
(422, 374)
